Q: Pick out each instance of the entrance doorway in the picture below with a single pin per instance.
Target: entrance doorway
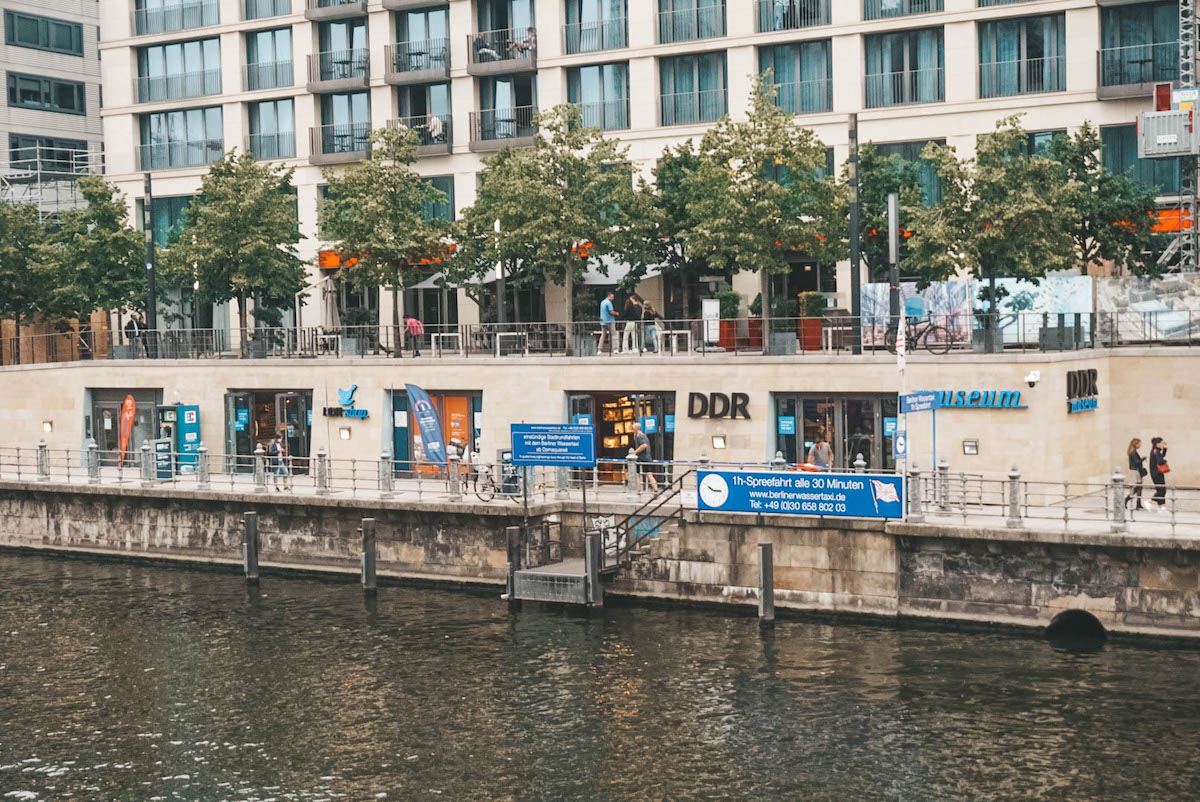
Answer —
(851, 424)
(254, 417)
(461, 416)
(613, 415)
(103, 421)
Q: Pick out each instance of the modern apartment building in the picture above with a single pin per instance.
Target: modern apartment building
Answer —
(304, 81)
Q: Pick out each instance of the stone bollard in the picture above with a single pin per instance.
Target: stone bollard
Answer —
(368, 553)
(916, 511)
(860, 464)
(766, 583)
(93, 463)
(43, 461)
(146, 464)
(1119, 523)
(779, 463)
(250, 545)
(941, 485)
(203, 476)
(631, 476)
(1014, 499)
(260, 469)
(322, 473)
(452, 464)
(563, 490)
(387, 476)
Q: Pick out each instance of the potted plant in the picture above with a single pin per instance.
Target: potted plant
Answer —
(808, 327)
(731, 302)
(354, 331)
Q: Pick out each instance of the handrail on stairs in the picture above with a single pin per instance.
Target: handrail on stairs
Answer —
(621, 551)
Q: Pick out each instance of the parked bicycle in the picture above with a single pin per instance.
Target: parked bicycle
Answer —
(936, 339)
(481, 481)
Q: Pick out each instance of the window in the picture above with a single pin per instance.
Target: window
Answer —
(422, 40)
(931, 185)
(685, 20)
(272, 129)
(46, 153)
(507, 106)
(1036, 142)
(1139, 44)
(346, 122)
(693, 88)
(179, 70)
(47, 94)
(905, 67)
(1022, 56)
(506, 15)
(441, 211)
(801, 74)
(43, 33)
(786, 15)
(602, 93)
(1119, 153)
(595, 25)
(166, 217)
(884, 9)
(260, 9)
(186, 138)
(164, 16)
(423, 100)
(269, 59)
(343, 49)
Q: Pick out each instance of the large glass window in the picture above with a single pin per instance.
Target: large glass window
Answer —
(602, 93)
(269, 59)
(46, 153)
(507, 106)
(441, 211)
(511, 15)
(905, 67)
(260, 9)
(1139, 43)
(422, 39)
(684, 20)
(46, 94)
(801, 74)
(346, 122)
(1022, 56)
(852, 426)
(693, 88)
(272, 129)
(343, 49)
(931, 185)
(786, 15)
(595, 25)
(166, 217)
(163, 16)
(884, 9)
(43, 33)
(179, 70)
(1119, 153)
(186, 138)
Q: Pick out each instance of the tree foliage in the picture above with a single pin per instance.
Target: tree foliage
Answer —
(26, 278)
(878, 177)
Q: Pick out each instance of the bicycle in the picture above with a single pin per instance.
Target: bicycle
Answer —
(936, 339)
(485, 487)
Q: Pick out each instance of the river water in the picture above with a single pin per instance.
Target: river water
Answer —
(122, 682)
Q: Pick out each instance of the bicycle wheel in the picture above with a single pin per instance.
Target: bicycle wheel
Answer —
(938, 340)
(485, 488)
(889, 339)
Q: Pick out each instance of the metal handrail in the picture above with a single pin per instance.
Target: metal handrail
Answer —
(657, 502)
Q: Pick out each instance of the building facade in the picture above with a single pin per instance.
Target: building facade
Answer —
(304, 81)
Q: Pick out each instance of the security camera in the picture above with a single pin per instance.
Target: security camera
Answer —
(1033, 378)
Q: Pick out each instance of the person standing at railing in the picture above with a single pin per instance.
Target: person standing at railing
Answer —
(608, 324)
(650, 320)
(641, 447)
(416, 330)
(821, 453)
(1137, 471)
(632, 315)
(1159, 468)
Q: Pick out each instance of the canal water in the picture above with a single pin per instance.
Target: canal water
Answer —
(122, 682)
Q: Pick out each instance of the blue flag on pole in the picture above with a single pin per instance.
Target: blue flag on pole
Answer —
(427, 421)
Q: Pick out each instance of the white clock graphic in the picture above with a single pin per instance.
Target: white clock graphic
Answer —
(714, 490)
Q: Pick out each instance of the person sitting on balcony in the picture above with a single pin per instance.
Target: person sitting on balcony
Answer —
(433, 125)
(527, 46)
(484, 52)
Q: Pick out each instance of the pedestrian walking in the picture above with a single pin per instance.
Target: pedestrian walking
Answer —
(416, 330)
(608, 324)
(650, 321)
(632, 315)
(641, 447)
(1159, 468)
(278, 456)
(1137, 474)
(821, 453)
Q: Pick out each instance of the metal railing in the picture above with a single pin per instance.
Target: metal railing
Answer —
(339, 65)
(1028, 76)
(1138, 64)
(903, 88)
(590, 37)
(281, 145)
(431, 129)
(884, 9)
(340, 138)
(157, 88)
(175, 17)
(427, 54)
(787, 15)
(805, 97)
(194, 153)
(261, 9)
(703, 22)
(611, 115)
(332, 3)
(511, 123)
(706, 105)
(504, 44)
(268, 75)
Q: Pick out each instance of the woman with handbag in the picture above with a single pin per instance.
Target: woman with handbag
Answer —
(1137, 474)
(1159, 468)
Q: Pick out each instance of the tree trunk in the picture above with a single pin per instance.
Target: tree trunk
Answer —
(993, 320)
(569, 285)
(396, 331)
(764, 287)
(242, 323)
(17, 340)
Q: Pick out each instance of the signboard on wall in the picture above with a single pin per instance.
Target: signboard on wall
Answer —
(555, 444)
(835, 495)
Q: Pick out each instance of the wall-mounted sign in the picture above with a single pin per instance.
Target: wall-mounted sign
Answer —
(851, 495)
(347, 408)
(981, 399)
(889, 427)
(919, 402)
(557, 444)
(649, 424)
(787, 424)
(668, 423)
(1083, 391)
(718, 405)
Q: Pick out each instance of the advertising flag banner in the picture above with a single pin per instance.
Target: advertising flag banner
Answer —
(427, 422)
(128, 411)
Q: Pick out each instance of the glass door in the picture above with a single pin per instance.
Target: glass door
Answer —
(291, 420)
(861, 428)
(239, 437)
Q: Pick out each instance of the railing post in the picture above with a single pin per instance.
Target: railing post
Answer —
(368, 553)
(43, 461)
(779, 463)
(766, 583)
(1118, 501)
(387, 476)
(563, 491)
(631, 476)
(250, 545)
(860, 464)
(146, 464)
(260, 469)
(592, 554)
(93, 463)
(452, 463)
(322, 473)
(1014, 499)
(203, 477)
(916, 512)
(941, 485)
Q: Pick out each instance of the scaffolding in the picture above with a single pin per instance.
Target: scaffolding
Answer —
(47, 177)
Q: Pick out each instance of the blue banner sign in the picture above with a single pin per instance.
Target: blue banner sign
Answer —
(668, 423)
(919, 402)
(187, 435)
(787, 424)
(562, 445)
(889, 427)
(836, 495)
(649, 424)
(427, 421)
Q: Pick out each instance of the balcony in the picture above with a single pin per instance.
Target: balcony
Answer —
(404, 5)
(167, 155)
(611, 115)
(591, 37)
(177, 17)
(159, 88)
(690, 24)
(268, 75)
(338, 70)
(805, 97)
(906, 88)
(1132, 71)
(262, 9)
(886, 9)
(339, 143)
(504, 51)
(1029, 77)
(265, 147)
(334, 9)
(690, 108)
(790, 15)
(496, 129)
(417, 62)
(435, 134)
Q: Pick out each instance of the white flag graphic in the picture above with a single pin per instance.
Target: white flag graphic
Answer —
(884, 491)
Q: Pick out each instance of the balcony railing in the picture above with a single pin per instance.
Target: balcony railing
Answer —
(706, 22)
(339, 65)
(1139, 64)
(195, 153)
(157, 88)
(341, 138)
(903, 88)
(693, 107)
(1027, 77)
(805, 97)
(611, 115)
(418, 56)
(261, 9)
(333, 9)
(788, 15)
(506, 123)
(280, 145)
(884, 9)
(177, 17)
(986, 3)
(434, 131)
(506, 45)
(269, 75)
(589, 37)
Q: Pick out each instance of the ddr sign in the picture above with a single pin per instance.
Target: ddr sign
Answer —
(837, 495)
(565, 445)
(919, 402)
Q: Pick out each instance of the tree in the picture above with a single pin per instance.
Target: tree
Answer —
(376, 211)
(1003, 213)
(1114, 214)
(878, 177)
(238, 239)
(565, 202)
(25, 275)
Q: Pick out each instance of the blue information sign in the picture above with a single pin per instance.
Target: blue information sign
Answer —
(836, 495)
(562, 444)
(581, 420)
(919, 402)
(669, 423)
(889, 427)
(187, 435)
(649, 424)
(162, 459)
(787, 424)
